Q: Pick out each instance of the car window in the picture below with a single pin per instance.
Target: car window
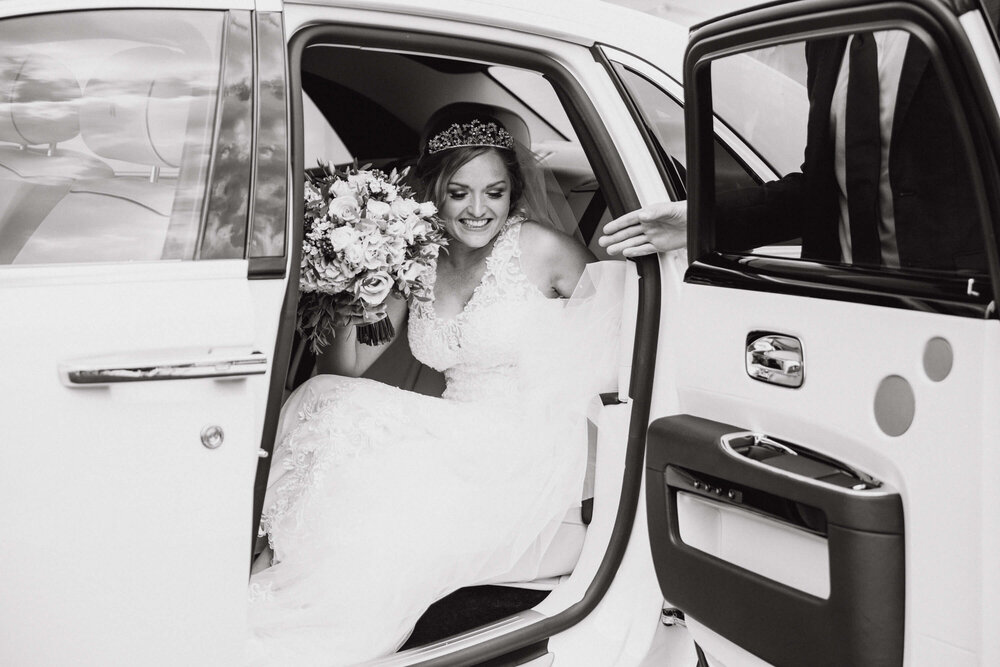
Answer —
(879, 179)
(775, 127)
(350, 114)
(106, 135)
(271, 183)
(664, 118)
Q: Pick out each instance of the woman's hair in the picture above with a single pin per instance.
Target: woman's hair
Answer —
(434, 170)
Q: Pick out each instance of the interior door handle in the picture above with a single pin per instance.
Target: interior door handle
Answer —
(774, 358)
(155, 366)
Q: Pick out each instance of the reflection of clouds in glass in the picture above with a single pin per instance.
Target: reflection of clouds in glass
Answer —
(57, 68)
(112, 240)
(223, 239)
(140, 85)
(44, 109)
(271, 196)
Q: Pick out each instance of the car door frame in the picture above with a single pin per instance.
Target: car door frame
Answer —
(621, 196)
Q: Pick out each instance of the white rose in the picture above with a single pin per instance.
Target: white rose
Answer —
(367, 228)
(427, 209)
(378, 210)
(374, 288)
(415, 228)
(333, 278)
(345, 208)
(395, 251)
(341, 189)
(404, 207)
(347, 269)
(355, 252)
(341, 237)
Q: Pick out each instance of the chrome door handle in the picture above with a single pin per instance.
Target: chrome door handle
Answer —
(153, 366)
(775, 358)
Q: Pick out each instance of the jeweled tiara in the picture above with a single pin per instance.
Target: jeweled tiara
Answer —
(473, 133)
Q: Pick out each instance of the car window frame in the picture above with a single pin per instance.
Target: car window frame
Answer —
(903, 288)
(741, 152)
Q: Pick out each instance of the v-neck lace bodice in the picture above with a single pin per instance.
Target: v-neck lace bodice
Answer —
(478, 349)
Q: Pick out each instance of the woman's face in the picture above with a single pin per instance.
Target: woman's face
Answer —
(477, 200)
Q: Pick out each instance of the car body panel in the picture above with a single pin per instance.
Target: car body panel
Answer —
(134, 497)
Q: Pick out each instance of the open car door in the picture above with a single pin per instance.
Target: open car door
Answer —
(826, 493)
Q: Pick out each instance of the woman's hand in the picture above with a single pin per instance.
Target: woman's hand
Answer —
(655, 228)
(346, 356)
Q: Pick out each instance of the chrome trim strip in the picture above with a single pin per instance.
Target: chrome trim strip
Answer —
(79, 374)
(725, 442)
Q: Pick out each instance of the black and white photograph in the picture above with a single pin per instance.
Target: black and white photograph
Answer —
(486, 333)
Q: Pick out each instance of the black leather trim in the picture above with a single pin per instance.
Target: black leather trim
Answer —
(930, 292)
(861, 622)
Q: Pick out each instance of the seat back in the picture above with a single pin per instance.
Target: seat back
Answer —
(133, 112)
(39, 110)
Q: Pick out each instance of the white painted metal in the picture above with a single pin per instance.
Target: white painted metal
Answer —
(935, 465)
(19, 7)
(583, 22)
(131, 543)
(943, 466)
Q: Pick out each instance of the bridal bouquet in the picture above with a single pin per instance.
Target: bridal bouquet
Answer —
(366, 239)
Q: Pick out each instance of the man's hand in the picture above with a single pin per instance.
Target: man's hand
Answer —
(656, 228)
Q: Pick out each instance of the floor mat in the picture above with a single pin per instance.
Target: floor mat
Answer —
(469, 608)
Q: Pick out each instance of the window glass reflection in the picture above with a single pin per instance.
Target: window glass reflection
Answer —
(870, 149)
(105, 134)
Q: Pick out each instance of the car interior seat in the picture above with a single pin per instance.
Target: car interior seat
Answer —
(134, 113)
(39, 110)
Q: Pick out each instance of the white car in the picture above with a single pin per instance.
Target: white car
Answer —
(799, 467)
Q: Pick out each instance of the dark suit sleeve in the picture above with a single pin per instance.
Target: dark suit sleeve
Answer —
(769, 213)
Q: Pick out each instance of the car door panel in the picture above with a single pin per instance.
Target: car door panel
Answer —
(117, 489)
(834, 413)
(696, 471)
(896, 386)
(135, 386)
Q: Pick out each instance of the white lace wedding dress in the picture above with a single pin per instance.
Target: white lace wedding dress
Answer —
(380, 500)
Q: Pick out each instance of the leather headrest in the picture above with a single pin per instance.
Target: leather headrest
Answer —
(136, 108)
(39, 97)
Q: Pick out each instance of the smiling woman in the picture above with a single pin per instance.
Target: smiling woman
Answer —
(352, 562)
(101, 134)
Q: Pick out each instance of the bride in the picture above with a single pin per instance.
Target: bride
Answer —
(381, 501)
